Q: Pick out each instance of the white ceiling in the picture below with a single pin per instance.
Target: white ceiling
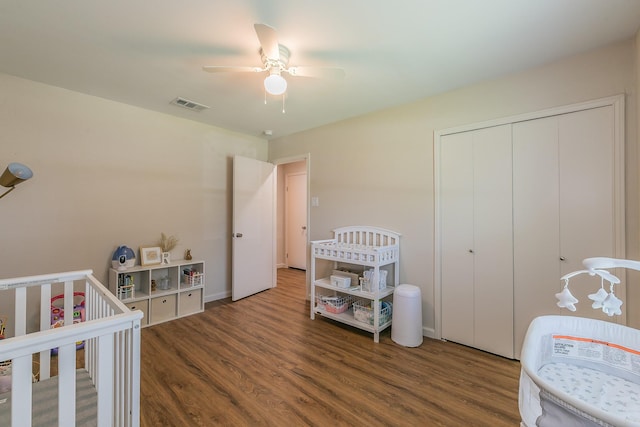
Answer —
(146, 53)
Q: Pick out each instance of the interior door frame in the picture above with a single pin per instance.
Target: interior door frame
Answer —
(307, 159)
(618, 104)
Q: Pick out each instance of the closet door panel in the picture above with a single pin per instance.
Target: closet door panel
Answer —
(493, 241)
(456, 213)
(586, 197)
(536, 223)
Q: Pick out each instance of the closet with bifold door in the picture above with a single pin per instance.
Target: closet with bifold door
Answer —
(520, 202)
(476, 239)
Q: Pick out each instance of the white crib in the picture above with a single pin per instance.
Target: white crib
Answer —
(104, 392)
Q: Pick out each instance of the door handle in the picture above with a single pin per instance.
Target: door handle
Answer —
(238, 235)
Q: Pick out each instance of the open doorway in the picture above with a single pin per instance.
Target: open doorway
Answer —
(295, 219)
(292, 214)
(260, 221)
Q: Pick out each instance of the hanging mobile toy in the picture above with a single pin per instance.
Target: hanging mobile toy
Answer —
(607, 301)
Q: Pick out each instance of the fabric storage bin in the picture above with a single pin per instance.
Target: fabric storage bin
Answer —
(189, 302)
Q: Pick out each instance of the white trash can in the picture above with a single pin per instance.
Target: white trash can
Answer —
(406, 324)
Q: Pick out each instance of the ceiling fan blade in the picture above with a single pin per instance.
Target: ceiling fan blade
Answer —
(317, 72)
(226, 69)
(268, 40)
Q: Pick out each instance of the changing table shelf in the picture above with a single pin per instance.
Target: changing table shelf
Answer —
(348, 318)
(366, 304)
(325, 283)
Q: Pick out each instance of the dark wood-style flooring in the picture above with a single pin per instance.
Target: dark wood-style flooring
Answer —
(262, 361)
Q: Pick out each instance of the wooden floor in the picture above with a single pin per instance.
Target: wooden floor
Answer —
(262, 361)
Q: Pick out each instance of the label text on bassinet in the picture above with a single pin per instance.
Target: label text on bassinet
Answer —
(598, 351)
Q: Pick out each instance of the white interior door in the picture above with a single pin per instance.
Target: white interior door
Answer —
(587, 205)
(493, 240)
(536, 223)
(563, 208)
(456, 228)
(296, 220)
(253, 235)
(476, 239)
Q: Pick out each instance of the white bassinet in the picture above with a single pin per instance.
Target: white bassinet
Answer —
(580, 372)
(103, 392)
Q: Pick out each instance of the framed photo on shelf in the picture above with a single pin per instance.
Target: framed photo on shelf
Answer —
(150, 255)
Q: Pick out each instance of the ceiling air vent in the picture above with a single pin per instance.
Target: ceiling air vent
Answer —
(190, 105)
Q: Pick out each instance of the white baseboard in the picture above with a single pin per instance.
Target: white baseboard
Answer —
(428, 332)
(216, 297)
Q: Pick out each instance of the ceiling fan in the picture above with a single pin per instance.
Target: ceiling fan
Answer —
(275, 61)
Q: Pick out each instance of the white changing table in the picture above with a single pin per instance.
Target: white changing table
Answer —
(356, 248)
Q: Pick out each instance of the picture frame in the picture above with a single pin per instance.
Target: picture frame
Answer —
(150, 255)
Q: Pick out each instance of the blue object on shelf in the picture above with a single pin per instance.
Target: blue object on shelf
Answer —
(123, 257)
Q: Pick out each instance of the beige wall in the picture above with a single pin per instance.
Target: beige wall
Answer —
(378, 169)
(107, 174)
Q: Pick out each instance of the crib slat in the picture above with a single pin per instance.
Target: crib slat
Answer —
(89, 346)
(133, 357)
(68, 302)
(122, 373)
(67, 366)
(67, 385)
(45, 323)
(21, 391)
(105, 383)
(21, 312)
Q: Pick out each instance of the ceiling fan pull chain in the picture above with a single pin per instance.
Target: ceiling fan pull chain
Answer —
(283, 103)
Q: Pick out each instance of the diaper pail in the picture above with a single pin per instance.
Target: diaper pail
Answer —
(406, 325)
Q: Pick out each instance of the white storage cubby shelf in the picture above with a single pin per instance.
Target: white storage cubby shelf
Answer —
(162, 292)
(356, 251)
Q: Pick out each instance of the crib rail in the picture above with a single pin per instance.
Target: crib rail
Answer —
(111, 333)
(354, 253)
(366, 236)
(362, 245)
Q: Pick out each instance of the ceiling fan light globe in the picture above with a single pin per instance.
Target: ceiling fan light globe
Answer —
(275, 84)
